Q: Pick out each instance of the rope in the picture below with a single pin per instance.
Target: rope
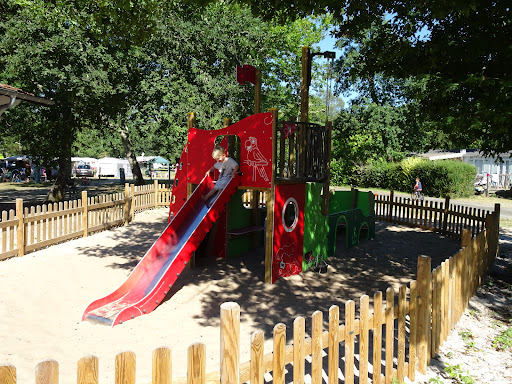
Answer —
(329, 85)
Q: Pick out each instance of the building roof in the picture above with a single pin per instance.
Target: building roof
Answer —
(457, 154)
(152, 159)
(8, 91)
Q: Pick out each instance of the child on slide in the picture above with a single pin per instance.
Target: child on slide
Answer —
(227, 168)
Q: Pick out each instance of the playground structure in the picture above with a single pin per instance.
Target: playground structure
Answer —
(287, 162)
(298, 217)
(297, 226)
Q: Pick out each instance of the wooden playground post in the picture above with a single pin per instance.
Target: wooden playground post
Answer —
(304, 110)
(257, 91)
(191, 119)
(255, 216)
(191, 122)
(304, 87)
(269, 245)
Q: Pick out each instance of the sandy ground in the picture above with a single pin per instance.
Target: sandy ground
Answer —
(44, 294)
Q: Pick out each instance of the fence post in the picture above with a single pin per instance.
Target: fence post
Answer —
(465, 238)
(132, 202)
(87, 370)
(229, 343)
(423, 279)
(85, 214)
(492, 229)
(196, 372)
(7, 374)
(316, 348)
(125, 368)
(496, 229)
(413, 344)
(445, 214)
(20, 236)
(127, 203)
(299, 328)
(257, 348)
(391, 198)
(47, 372)
(162, 366)
(156, 193)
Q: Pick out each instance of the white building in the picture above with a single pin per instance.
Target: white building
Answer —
(500, 171)
(110, 166)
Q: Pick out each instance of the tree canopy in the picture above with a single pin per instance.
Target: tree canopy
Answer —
(130, 76)
(458, 51)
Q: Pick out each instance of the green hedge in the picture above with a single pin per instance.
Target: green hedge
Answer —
(439, 178)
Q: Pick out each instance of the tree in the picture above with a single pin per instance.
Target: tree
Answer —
(458, 51)
(191, 68)
(63, 52)
(131, 80)
(27, 47)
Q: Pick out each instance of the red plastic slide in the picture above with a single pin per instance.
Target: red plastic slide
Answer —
(151, 279)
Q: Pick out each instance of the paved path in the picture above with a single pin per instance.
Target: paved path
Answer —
(505, 206)
(36, 195)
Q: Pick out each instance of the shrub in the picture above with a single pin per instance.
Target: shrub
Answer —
(439, 178)
(446, 178)
(339, 173)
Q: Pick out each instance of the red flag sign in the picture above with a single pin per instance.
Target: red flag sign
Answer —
(245, 73)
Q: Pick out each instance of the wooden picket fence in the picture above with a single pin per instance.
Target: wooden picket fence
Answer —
(400, 334)
(441, 217)
(27, 230)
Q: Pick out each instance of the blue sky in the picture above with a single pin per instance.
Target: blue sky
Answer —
(327, 44)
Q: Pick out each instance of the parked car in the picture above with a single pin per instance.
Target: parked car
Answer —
(84, 170)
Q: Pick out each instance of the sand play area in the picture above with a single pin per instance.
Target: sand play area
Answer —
(44, 294)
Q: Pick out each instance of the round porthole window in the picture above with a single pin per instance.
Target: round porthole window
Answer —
(290, 214)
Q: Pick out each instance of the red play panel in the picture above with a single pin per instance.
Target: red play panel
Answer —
(288, 230)
(255, 134)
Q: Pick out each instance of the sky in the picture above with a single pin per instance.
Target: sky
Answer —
(327, 44)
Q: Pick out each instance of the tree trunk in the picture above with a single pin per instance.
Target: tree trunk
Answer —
(64, 139)
(130, 155)
(373, 91)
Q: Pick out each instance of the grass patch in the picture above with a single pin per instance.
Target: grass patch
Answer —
(505, 223)
(476, 199)
(23, 186)
(503, 341)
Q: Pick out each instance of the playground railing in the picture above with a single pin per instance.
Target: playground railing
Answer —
(442, 217)
(25, 230)
(393, 338)
(301, 152)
